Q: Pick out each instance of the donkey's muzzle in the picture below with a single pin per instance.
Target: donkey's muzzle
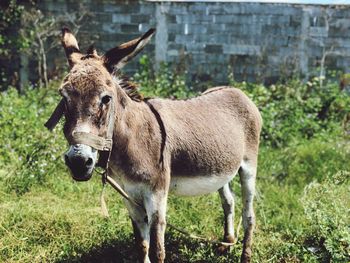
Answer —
(81, 163)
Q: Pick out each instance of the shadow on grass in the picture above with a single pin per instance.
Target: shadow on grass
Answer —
(179, 249)
(117, 251)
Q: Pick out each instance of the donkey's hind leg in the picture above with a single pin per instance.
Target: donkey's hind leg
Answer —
(228, 205)
(247, 174)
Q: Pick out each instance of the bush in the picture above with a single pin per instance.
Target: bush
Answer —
(326, 207)
(28, 152)
(10, 42)
(297, 110)
(307, 160)
(162, 83)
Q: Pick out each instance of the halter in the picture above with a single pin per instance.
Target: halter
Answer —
(102, 144)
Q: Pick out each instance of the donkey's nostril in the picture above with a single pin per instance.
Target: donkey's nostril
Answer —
(89, 162)
(66, 159)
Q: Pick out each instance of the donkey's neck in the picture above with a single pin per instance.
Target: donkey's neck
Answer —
(137, 132)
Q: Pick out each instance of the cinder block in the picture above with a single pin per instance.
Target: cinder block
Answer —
(176, 29)
(224, 19)
(181, 19)
(217, 9)
(111, 8)
(110, 28)
(215, 28)
(171, 37)
(344, 62)
(121, 18)
(129, 28)
(196, 47)
(196, 29)
(138, 18)
(171, 19)
(197, 8)
(338, 42)
(173, 52)
(102, 17)
(318, 32)
(241, 49)
(213, 49)
(147, 8)
(195, 19)
(178, 9)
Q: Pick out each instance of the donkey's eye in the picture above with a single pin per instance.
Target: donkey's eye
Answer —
(106, 99)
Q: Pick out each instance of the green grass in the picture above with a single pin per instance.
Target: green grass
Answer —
(61, 220)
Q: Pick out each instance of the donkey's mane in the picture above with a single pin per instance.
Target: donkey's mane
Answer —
(129, 87)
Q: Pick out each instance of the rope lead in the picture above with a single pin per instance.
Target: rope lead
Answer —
(104, 208)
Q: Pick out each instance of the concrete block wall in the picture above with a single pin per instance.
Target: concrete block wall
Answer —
(256, 41)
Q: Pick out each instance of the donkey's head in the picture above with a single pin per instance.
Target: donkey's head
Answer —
(89, 93)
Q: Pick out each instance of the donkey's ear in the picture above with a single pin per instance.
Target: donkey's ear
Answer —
(117, 57)
(70, 45)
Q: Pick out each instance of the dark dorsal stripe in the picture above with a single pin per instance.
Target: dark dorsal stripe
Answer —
(162, 130)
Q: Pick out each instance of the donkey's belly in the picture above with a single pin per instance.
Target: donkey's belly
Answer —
(198, 184)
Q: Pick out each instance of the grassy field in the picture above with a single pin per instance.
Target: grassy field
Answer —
(302, 203)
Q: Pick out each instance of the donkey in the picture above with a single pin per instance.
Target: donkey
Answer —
(185, 147)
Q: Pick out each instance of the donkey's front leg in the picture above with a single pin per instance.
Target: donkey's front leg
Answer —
(141, 229)
(158, 225)
(149, 226)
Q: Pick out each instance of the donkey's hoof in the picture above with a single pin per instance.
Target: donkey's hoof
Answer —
(230, 239)
(224, 249)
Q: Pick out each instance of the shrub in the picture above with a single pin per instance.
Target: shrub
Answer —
(297, 110)
(307, 160)
(10, 42)
(326, 207)
(28, 152)
(164, 83)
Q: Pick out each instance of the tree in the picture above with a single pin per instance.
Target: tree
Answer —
(43, 32)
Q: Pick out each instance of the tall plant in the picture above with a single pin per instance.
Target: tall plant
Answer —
(43, 34)
(10, 41)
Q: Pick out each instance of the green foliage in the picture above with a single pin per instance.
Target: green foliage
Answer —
(327, 211)
(28, 153)
(297, 110)
(27, 35)
(162, 83)
(10, 17)
(10, 40)
(308, 160)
